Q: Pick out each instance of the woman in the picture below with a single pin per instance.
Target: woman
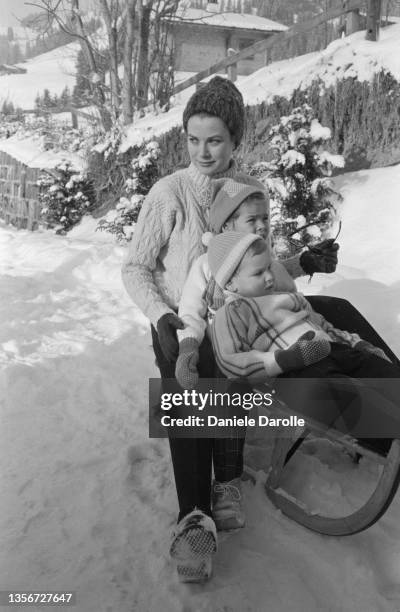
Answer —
(166, 241)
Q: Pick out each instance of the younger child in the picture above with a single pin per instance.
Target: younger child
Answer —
(260, 332)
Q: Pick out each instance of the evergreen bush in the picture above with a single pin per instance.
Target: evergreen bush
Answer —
(144, 173)
(65, 195)
(297, 177)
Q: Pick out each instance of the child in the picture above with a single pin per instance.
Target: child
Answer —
(236, 207)
(261, 333)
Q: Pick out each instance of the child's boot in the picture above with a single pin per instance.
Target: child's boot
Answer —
(194, 542)
(227, 507)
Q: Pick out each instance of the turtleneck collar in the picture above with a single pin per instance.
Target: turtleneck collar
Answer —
(203, 180)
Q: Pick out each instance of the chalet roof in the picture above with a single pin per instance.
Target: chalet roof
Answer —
(239, 21)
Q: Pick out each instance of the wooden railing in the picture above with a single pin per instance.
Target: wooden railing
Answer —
(349, 7)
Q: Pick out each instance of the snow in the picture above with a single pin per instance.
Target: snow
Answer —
(28, 150)
(53, 70)
(88, 500)
(319, 132)
(352, 56)
(240, 21)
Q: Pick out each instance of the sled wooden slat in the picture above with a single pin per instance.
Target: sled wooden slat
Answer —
(361, 519)
(278, 460)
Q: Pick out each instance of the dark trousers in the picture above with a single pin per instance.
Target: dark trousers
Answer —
(192, 458)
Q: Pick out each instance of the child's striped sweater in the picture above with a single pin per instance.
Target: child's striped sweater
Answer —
(247, 331)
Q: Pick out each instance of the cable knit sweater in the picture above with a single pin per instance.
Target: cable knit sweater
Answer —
(167, 239)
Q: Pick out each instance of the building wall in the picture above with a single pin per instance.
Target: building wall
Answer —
(197, 48)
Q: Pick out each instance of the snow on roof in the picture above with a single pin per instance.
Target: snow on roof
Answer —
(28, 151)
(352, 56)
(240, 21)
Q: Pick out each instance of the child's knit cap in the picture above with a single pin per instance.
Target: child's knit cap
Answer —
(219, 98)
(225, 252)
(228, 199)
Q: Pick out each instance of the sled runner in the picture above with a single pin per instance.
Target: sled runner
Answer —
(379, 499)
(372, 509)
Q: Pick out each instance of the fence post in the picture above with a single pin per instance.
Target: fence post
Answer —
(74, 118)
(373, 19)
(22, 184)
(353, 22)
(232, 69)
(20, 208)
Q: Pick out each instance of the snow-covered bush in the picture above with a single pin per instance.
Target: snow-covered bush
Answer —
(143, 174)
(65, 195)
(298, 179)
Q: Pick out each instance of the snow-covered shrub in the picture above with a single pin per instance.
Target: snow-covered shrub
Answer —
(65, 195)
(143, 174)
(298, 179)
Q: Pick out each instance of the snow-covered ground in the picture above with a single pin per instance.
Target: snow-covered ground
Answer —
(88, 500)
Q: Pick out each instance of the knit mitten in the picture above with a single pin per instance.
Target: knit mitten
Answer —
(186, 366)
(367, 347)
(166, 330)
(304, 352)
(321, 257)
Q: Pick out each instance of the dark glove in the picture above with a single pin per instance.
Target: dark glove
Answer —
(302, 353)
(166, 330)
(320, 258)
(186, 367)
(367, 347)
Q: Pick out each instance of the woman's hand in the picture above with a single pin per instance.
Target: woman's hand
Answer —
(320, 258)
(186, 367)
(166, 330)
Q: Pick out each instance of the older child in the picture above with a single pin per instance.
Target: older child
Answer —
(236, 207)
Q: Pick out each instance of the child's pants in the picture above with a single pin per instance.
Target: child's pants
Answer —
(340, 396)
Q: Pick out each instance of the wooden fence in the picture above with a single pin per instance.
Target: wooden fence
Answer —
(19, 203)
(348, 7)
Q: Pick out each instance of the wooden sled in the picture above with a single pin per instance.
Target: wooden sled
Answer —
(372, 509)
(344, 316)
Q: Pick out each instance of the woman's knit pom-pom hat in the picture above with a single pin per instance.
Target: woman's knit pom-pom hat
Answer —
(219, 98)
(225, 252)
